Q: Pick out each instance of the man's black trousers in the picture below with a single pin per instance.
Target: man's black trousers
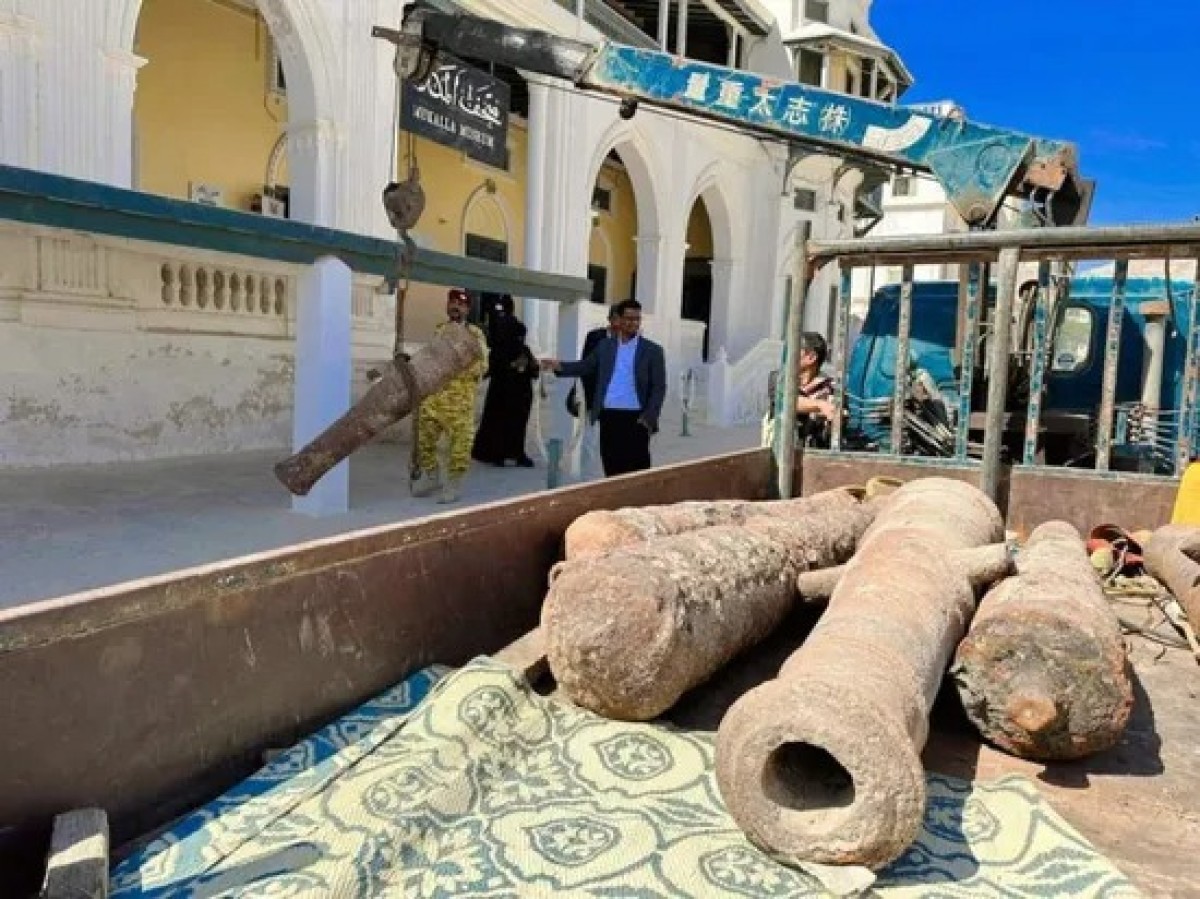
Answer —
(624, 442)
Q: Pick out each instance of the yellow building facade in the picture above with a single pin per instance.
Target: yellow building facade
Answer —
(210, 121)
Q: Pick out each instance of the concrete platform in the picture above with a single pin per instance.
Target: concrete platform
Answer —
(63, 530)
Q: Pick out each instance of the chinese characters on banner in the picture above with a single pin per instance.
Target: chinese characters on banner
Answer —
(788, 108)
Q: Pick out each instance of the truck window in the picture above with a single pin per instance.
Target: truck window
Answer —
(1072, 343)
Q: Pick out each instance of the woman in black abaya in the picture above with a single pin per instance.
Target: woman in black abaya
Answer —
(511, 373)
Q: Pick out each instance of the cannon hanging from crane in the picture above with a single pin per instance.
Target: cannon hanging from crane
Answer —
(979, 166)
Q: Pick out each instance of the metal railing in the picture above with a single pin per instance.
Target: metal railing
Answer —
(1166, 435)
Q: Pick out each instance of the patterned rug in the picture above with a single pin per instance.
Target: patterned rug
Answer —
(487, 789)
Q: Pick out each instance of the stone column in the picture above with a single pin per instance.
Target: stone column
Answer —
(323, 372)
(723, 326)
(313, 149)
(121, 70)
(366, 116)
(667, 307)
(83, 111)
(649, 254)
(535, 196)
(20, 47)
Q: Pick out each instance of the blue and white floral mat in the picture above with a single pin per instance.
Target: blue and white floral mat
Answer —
(467, 783)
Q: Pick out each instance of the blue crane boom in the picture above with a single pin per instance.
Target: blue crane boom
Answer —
(978, 165)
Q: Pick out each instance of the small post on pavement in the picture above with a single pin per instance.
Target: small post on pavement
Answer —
(785, 412)
(553, 462)
(686, 403)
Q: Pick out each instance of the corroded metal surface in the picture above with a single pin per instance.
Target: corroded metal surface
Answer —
(630, 631)
(822, 764)
(1171, 555)
(393, 397)
(603, 530)
(1043, 671)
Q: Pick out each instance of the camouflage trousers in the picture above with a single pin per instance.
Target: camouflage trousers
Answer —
(457, 428)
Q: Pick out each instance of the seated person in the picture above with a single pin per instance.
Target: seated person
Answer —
(814, 393)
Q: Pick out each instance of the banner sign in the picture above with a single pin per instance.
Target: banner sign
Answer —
(460, 106)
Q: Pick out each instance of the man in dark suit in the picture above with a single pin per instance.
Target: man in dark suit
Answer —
(631, 385)
(591, 340)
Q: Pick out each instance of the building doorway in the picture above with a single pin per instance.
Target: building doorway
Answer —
(697, 293)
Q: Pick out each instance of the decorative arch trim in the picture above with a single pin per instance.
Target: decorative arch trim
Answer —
(708, 188)
(643, 169)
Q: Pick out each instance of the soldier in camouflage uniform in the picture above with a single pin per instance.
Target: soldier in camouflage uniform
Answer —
(450, 413)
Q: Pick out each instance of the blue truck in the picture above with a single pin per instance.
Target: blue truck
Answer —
(1153, 350)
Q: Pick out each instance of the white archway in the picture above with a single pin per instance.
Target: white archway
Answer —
(302, 34)
(640, 163)
(725, 264)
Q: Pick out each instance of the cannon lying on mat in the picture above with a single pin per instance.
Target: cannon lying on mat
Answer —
(823, 763)
(629, 631)
(1043, 671)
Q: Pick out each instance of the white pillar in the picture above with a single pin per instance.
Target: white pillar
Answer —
(732, 60)
(18, 90)
(121, 71)
(323, 373)
(365, 134)
(535, 190)
(664, 18)
(78, 91)
(681, 25)
(312, 172)
(649, 254)
(723, 330)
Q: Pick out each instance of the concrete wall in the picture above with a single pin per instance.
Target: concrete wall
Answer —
(116, 350)
(75, 396)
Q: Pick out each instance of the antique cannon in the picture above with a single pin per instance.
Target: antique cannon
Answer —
(1043, 671)
(823, 763)
(399, 390)
(629, 631)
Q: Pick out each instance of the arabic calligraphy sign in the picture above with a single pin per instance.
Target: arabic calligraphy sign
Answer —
(460, 106)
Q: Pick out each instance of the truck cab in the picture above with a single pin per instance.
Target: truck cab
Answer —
(1153, 348)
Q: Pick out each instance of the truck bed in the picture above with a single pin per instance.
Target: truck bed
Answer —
(152, 697)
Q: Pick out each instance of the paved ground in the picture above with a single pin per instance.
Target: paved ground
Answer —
(68, 529)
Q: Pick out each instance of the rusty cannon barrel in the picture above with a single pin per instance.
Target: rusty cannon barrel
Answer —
(629, 632)
(594, 533)
(822, 764)
(389, 399)
(1043, 672)
(1171, 556)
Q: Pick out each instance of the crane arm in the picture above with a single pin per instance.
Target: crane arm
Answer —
(977, 165)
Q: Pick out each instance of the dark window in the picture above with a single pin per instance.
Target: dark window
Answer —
(477, 247)
(904, 186)
(805, 200)
(810, 66)
(816, 10)
(602, 199)
(1073, 342)
(868, 72)
(598, 275)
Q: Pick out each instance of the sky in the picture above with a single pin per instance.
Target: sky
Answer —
(1118, 79)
